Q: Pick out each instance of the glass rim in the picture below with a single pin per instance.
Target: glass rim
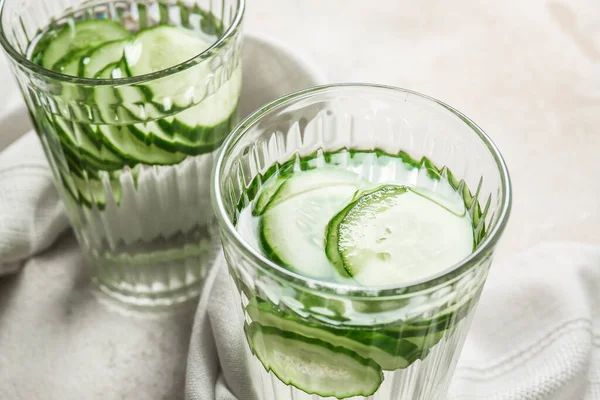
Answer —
(482, 252)
(212, 49)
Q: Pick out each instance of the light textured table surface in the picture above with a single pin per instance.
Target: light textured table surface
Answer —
(528, 72)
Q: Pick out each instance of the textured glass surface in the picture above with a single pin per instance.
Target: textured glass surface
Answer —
(138, 202)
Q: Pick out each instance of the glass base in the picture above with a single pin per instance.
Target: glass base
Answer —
(162, 283)
(155, 300)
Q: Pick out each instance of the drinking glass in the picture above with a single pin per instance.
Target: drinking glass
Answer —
(134, 180)
(423, 322)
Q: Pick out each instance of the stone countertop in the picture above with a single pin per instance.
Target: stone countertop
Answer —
(527, 72)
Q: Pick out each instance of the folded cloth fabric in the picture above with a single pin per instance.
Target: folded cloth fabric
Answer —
(535, 335)
(31, 215)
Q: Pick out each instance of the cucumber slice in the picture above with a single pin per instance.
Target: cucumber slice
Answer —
(267, 194)
(108, 104)
(213, 135)
(102, 57)
(111, 71)
(84, 147)
(70, 64)
(73, 164)
(135, 102)
(81, 34)
(389, 352)
(440, 322)
(152, 132)
(133, 99)
(107, 71)
(122, 141)
(160, 47)
(332, 237)
(212, 111)
(93, 192)
(312, 365)
(108, 99)
(426, 342)
(394, 235)
(301, 208)
(87, 188)
(42, 43)
(68, 185)
(306, 181)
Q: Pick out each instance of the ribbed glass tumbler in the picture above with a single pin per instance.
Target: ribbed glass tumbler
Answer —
(131, 155)
(310, 339)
